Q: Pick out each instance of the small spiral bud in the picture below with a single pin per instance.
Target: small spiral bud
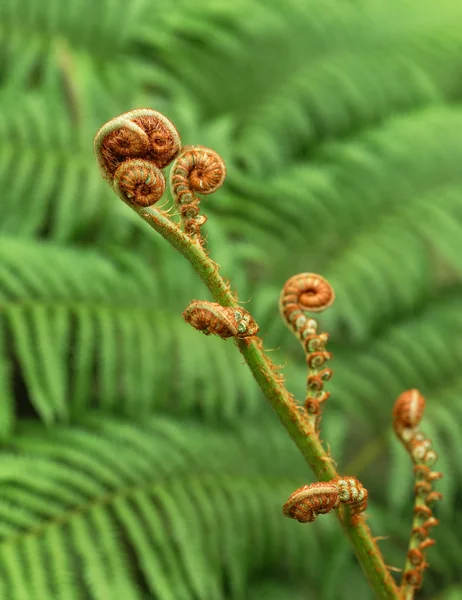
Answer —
(433, 497)
(304, 292)
(315, 383)
(426, 544)
(414, 578)
(408, 409)
(420, 533)
(415, 557)
(306, 503)
(418, 451)
(315, 360)
(226, 322)
(313, 343)
(142, 133)
(430, 459)
(197, 170)
(430, 522)
(423, 511)
(351, 491)
(422, 488)
(139, 182)
(313, 404)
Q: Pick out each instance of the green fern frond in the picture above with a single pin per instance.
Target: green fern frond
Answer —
(181, 500)
(335, 94)
(351, 183)
(91, 329)
(341, 128)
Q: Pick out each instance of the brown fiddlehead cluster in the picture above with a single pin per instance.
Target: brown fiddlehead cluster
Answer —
(309, 501)
(226, 322)
(302, 293)
(134, 148)
(197, 170)
(407, 415)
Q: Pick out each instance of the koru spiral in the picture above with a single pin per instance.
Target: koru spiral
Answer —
(407, 415)
(309, 292)
(132, 150)
(197, 170)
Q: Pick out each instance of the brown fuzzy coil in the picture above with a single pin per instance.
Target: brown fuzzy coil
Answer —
(140, 182)
(309, 292)
(408, 409)
(197, 170)
(151, 136)
(226, 322)
(306, 503)
(304, 292)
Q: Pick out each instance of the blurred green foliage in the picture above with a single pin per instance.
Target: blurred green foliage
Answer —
(139, 459)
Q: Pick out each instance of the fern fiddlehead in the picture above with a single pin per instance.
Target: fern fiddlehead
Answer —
(131, 151)
(226, 322)
(309, 292)
(138, 133)
(196, 170)
(407, 415)
(139, 182)
(309, 501)
(136, 141)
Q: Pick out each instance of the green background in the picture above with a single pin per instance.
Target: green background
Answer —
(139, 459)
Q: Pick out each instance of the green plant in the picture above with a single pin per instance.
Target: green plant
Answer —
(340, 125)
(131, 150)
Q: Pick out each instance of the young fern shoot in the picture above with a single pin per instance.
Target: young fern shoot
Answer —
(132, 150)
(309, 292)
(211, 317)
(196, 170)
(407, 415)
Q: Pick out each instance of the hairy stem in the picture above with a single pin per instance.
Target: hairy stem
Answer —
(407, 590)
(299, 428)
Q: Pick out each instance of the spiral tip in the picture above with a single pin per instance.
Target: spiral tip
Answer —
(408, 410)
(141, 133)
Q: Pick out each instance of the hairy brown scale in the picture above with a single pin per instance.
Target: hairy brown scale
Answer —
(131, 150)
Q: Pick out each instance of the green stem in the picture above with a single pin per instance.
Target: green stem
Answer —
(299, 428)
(407, 591)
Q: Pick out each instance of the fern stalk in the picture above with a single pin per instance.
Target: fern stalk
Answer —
(139, 183)
(284, 405)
